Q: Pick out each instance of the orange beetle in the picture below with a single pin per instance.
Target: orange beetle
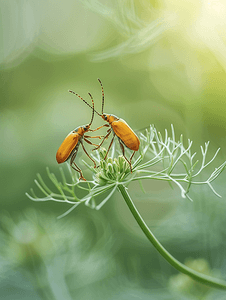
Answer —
(70, 145)
(119, 127)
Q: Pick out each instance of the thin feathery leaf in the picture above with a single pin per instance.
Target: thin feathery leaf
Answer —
(160, 157)
(43, 183)
(68, 211)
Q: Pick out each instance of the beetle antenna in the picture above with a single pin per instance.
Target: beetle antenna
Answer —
(84, 101)
(93, 105)
(102, 95)
(93, 110)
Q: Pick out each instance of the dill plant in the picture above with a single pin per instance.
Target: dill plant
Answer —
(160, 158)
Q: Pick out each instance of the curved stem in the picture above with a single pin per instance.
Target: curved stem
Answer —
(217, 283)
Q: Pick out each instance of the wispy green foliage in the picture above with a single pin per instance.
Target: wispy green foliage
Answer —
(160, 158)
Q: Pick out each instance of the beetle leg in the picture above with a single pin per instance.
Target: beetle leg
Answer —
(87, 141)
(75, 167)
(73, 156)
(132, 156)
(88, 154)
(110, 146)
(106, 136)
(123, 153)
(94, 137)
(105, 125)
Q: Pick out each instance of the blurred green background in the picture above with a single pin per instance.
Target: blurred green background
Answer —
(160, 62)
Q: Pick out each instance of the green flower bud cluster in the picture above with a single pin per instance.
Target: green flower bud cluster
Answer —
(111, 170)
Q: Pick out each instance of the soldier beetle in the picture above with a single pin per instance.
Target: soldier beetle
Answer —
(118, 127)
(70, 145)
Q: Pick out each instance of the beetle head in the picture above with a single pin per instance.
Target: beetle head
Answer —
(105, 117)
(109, 118)
(86, 127)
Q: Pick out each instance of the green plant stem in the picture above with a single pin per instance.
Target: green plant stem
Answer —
(210, 281)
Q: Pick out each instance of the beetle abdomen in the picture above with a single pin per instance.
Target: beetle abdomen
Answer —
(126, 134)
(66, 148)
